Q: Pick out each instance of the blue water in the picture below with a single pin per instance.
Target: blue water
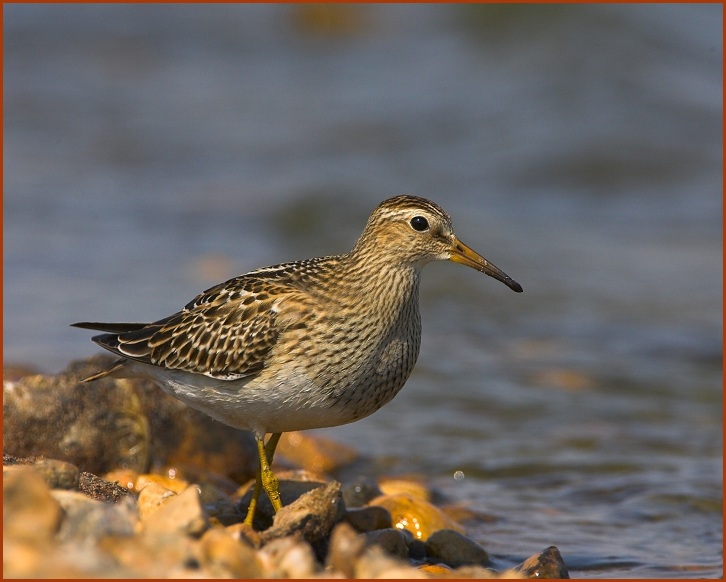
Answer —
(152, 151)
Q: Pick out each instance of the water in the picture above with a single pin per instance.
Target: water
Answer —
(152, 151)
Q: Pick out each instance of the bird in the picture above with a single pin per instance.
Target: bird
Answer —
(307, 344)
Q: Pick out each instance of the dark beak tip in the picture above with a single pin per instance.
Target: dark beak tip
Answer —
(514, 286)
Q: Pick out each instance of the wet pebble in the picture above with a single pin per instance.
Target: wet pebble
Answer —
(419, 517)
(360, 492)
(369, 518)
(546, 564)
(413, 487)
(455, 549)
(392, 540)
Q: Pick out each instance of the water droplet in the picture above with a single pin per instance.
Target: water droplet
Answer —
(458, 475)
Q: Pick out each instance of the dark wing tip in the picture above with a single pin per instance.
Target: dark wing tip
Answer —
(109, 327)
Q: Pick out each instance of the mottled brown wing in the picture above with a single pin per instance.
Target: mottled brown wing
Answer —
(226, 332)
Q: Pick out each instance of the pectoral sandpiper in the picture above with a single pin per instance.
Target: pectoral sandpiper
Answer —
(308, 344)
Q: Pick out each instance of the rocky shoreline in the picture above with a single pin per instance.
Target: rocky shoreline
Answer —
(117, 479)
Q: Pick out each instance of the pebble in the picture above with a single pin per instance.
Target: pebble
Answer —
(151, 498)
(223, 557)
(30, 514)
(311, 517)
(419, 517)
(292, 484)
(412, 487)
(360, 492)
(175, 485)
(392, 540)
(58, 474)
(377, 563)
(345, 547)
(179, 513)
(455, 549)
(289, 557)
(151, 555)
(437, 570)
(87, 519)
(369, 518)
(546, 564)
(243, 533)
(100, 489)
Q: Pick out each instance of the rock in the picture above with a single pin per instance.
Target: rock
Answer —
(482, 572)
(63, 475)
(314, 454)
(369, 518)
(58, 474)
(392, 540)
(151, 498)
(152, 555)
(125, 478)
(414, 487)
(437, 570)
(419, 517)
(455, 549)
(30, 514)
(223, 557)
(112, 423)
(292, 485)
(102, 490)
(175, 485)
(311, 517)
(547, 564)
(179, 513)
(376, 563)
(88, 520)
(360, 492)
(96, 426)
(288, 557)
(244, 534)
(346, 546)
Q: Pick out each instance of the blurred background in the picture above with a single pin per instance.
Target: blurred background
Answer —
(151, 151)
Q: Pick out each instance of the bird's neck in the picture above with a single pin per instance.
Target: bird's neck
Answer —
(377, 281)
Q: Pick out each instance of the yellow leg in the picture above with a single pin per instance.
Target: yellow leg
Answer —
(265, 477)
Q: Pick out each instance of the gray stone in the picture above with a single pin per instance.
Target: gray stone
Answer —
(455, 549)
(547, 564)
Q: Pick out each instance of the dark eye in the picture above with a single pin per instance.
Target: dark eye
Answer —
(419, 223)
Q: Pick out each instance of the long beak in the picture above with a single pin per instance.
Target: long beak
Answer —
(460, 253)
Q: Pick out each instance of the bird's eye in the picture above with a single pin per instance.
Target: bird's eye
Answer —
(419, 223)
